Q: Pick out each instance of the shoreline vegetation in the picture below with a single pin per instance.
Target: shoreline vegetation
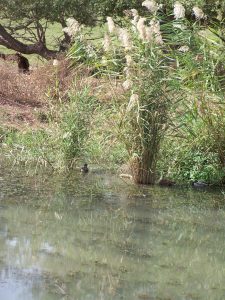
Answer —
(147, 99)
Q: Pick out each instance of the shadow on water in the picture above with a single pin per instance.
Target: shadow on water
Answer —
(96, 237)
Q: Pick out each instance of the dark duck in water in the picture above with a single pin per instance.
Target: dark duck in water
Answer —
(199, 184)
(84, 169)
(165, 182)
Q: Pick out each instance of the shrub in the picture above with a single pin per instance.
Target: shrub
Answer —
(76, 117)
(164, 60)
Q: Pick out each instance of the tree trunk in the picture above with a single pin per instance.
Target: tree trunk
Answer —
(144, 169)
(39, 48)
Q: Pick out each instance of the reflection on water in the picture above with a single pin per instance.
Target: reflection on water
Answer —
(97, 237)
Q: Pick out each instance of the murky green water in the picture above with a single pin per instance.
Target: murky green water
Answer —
(97, 237)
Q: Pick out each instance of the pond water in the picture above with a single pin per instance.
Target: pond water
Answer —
(99, 237)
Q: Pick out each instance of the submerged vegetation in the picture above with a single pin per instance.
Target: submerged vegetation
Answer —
(150, 93)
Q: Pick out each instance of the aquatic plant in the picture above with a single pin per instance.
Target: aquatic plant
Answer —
(75, 123)
(163, 60)
(149, 85)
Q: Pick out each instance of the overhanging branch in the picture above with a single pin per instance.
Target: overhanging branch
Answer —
(39, 48)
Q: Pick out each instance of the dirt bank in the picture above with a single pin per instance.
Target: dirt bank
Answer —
(24, 98)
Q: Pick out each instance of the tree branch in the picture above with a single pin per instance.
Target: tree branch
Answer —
(39, 48)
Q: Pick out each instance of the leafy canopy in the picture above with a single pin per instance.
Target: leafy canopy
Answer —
(28, 20)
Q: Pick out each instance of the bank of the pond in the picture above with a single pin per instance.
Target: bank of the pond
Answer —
(60, 118)
(52, 147)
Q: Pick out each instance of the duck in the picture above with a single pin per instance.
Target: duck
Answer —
(199, 184)
(166, 182)
(84, 169)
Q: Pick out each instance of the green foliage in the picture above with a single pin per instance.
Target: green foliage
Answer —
(29, 20)
(163, 75)
(103, 146)
(33, 146)
(146, 122)
(188, 160)
(110, 64)
(101, 63)
(195, 165)
(196, 150)
(82, 52)
(79, 130)
(179, 92)
(52, 11)
(116, 7)
(75, 125)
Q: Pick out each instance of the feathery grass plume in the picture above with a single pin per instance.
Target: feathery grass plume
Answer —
(151, 5)
(124, 37)
(184, 49)
(133, 102)
(178, 11)
(135, 18)
(134, 22)
(180, 26)
(148, 34)
(219, 15)
(155, 28)
(55, 62)
(73, 27)
(106, 42)
(141, 27)
(127, 85)
(129, 60)
(111, 25)
(159, 39)
(127, 72)
(198, 12)
(134, 12)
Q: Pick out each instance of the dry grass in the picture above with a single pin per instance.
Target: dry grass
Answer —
(105, 89)
(30, 89)
(25, 96)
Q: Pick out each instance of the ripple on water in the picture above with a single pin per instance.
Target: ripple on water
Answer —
(99, 238)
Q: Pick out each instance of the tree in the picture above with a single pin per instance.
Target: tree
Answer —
(23, 23)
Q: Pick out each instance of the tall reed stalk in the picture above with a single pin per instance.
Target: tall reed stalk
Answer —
(146, 122)
(164, 59)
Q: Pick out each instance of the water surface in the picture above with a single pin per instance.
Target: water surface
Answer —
(70, 236)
